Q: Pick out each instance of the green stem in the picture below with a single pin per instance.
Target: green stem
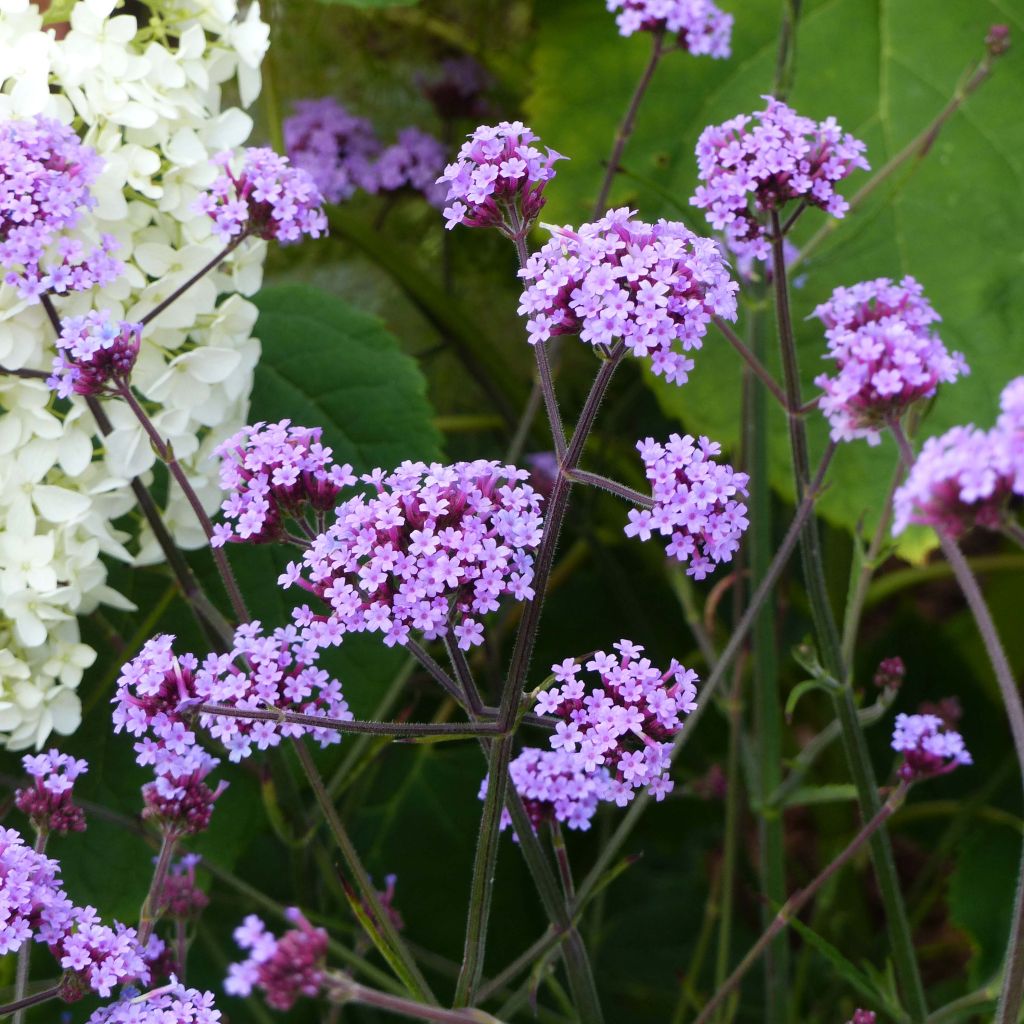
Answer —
(342, 989)
(150, 913)
(785, 59)
(24, 1003)
(395, 949)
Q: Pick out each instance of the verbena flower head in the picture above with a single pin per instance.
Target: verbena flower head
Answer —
(699, 26)
(498, 179)
(284, 968)
(157, 690)
(695, 502)
(625, 724)
(960, 479)
(32, 903)
(46, 179)
(888, 357)
(337, 149)
(263, 195)
(98, 956)
(890, 673)
(435, 548)
(180, 896)
(928, 747)
(862, 1017)
(1008, 435)
(413, 162)
(754, 164)
(47, 802)
(93, 351)
(179, 800)
(273, 472)
(654, 286)
(173, 1002)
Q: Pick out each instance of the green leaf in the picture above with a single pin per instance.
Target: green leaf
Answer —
(326, 364)
(948, 224)
(838, 792)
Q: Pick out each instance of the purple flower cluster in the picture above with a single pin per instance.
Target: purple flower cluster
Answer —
(179, 800)
(888, 357)
(654, 286)
(862, 1017)
(99, 956)
(436, 546)
(180, 896)
(752, 165)
(265, 197)
(92, 351)
(694, 502)
(284, 968)
(171, 1003)
(337, 149)
(498, 179)
(414, 162)
(273, 472)
(32, 902)
(699, 26)
(47, 802)
(967, 476)
(46, 177)
(928, 747)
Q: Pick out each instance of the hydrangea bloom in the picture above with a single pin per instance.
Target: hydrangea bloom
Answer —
(337, 149)
(173, 1002)
(149, 97)
(753, 164)
(413, 161)
(99, 956)
(157, 688)
(436, 545)
(626, 723)
(700, 26)
(272, 472)
(887, 355)
(32, 903)
(263, 195)
(48, 800)
(695, 502)
(284, 968)
(498, 179)
(656, 287)
(47, 176)
(960, 479)
(928, 747)
(94, 350)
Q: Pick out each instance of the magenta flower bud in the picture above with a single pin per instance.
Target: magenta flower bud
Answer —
(96, 355)
(928, 747)
(263, 195)
(997, 41)
(698, 25)
(755, 164)
(696, 504)
(887, 356)
(48, 801)
(498, 180)
(180, 896)
(863, 1017)
(890, 673)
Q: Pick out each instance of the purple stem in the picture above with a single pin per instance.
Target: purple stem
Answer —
(581, 476)
(755, 364)
(23, 1004)
(150, 913)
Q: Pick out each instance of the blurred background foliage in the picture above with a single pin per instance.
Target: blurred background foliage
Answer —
(403, 341)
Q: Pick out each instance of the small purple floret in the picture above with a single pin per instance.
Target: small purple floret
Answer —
(698, 25)
(928, 747)
(95, 354)
(48, 801)
(173, 1002)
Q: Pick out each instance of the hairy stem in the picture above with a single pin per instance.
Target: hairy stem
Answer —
(341, 989)
(24, 1003)
(580, 476)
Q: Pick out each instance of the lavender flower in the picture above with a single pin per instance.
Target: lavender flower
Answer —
(654, 286)
(498, 180)
(698, 25)
(284, 968)
(173, 1002)
(435, 548)
(47, 177)
(413, 162)
(1008, 435)
(337, 149)
(273, 472)
(624, 725)
(748, 172)
(32, 903)
(265, 197)
(48, 801)
(93, 351)
(97, 956)
(694, 502)
(179, 800)
(928, 747)
(888, 357)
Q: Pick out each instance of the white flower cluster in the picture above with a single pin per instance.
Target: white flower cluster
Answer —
(146, 94)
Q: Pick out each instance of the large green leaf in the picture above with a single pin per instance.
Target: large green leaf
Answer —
(884, 70)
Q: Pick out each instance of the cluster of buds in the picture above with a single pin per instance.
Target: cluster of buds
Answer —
(928, 747)
(48, 801)
(95, 355)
